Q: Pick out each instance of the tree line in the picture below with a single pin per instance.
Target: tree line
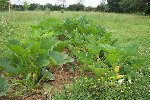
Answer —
(117, 6)
(129, 6)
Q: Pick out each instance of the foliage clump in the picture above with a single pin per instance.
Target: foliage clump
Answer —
(78, 42)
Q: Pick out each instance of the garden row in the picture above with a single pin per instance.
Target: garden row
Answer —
(78, 44)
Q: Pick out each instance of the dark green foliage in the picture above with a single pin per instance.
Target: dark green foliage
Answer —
(52, 7)
(76, 7)
(102, 7)
(4, 4)
(95, 51)
(118, 6)
(48, 7)
(126, 6)
(89, 8)
(90, 44)
(56, 8)
(129, 6)
(113, 5)
(146, 7)
(35, 6)
(26, 60)
(17, 7)
(32, 7)
(102, 55)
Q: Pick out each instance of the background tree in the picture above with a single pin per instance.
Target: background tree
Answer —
(145, 4)
(102, 6)
(4, 4)
(89, 8)
(113, 5)
(17, 7)
(57, 8)
(129, 6)
(76, 7)
(48, 7)
(35, 6)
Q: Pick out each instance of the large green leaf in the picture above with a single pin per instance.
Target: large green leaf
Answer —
(6, 66)
(61, 46)
(48, 74)
(49, 43)
(18, 50)
(14, 42)
(35, 47)
(60, 58)
(43, 59)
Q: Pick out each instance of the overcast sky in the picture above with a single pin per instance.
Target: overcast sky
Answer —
(93, 3)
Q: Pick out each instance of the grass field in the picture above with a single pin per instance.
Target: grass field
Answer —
(129, 29)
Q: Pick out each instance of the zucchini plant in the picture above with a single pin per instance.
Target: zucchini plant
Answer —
(27, 60)
(93, 47)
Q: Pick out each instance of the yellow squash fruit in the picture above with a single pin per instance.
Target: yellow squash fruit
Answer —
(119, 76)
(116, 69)
(34, 75)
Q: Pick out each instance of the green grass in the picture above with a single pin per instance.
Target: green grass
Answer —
(129, 28)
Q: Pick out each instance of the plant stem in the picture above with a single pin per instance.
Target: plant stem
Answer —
(9, 9)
